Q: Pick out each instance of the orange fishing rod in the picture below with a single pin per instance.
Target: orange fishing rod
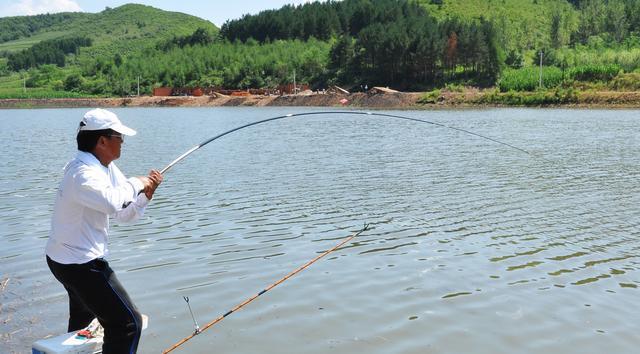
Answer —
(245, 302)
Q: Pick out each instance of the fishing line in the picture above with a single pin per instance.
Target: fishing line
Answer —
(376, 114)
(394, 116)
(360, 113)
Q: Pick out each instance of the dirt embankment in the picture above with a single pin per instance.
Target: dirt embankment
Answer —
(395, 100)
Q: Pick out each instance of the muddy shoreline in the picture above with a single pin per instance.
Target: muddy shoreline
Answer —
(400, 100)
(396, 100)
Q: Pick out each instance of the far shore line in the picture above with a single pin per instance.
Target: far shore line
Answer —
(399, 100)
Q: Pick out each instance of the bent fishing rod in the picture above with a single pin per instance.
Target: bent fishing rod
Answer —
(247, 301)
(394, 116)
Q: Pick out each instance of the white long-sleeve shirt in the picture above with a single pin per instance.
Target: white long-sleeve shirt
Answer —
(88, 195)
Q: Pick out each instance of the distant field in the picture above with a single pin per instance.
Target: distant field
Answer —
(12, 86)
(17, 92)
(24, 43)
(11, 82)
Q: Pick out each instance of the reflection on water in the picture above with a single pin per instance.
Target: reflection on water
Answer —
(474, 247)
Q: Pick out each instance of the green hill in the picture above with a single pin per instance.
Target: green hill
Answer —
(17, 27)
(121, 30)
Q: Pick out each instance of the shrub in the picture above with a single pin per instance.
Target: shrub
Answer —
(528, 79)
(602, 72)
(97, 86)
(452, 87)
(626, 82)
(430, 97)
(73, 82)
(514, 59)
(538, 98)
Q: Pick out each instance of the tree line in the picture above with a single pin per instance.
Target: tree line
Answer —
(16, 27)
(51, 51)
(393, 43)
(397, 42)
(321, 20)
(613, 20)
(418, 53)
(382, 42)
(221, 64)
(200, 37)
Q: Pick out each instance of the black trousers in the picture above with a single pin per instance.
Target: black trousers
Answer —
(95, 292)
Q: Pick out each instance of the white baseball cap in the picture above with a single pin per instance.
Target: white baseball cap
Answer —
(99, 119)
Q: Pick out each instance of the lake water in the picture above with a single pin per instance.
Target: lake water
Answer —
(474, 247)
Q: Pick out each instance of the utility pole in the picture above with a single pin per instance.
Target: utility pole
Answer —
(23, 75)
(294, 82)
(138, 85)
(541, 68)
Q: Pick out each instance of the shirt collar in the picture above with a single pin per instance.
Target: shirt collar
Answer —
(89, 159)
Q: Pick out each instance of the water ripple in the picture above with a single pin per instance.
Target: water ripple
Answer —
(485, 249)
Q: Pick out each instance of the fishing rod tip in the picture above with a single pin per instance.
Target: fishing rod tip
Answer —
(365, 227)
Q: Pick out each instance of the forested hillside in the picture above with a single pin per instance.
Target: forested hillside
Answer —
(472, 42)
(120, 30)
(382, 42)
(30, 60)
(12, 28)
(405, 44)
(521, 24)
(52, 51)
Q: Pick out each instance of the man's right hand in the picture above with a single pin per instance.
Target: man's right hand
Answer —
(155, 178)
(150, 183)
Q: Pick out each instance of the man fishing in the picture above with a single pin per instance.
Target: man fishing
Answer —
(92, 190)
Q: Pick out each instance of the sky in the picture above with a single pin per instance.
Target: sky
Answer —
(216, 11)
